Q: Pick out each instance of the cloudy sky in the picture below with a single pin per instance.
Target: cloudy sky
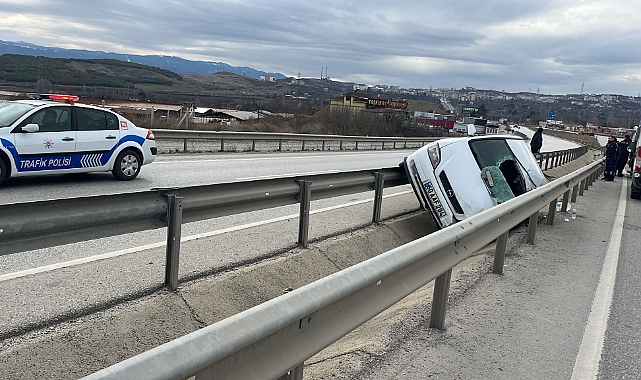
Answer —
(553, 46)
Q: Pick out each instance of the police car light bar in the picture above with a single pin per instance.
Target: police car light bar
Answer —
(57, 97)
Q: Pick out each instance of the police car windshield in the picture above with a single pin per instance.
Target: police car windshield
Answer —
(10, 112)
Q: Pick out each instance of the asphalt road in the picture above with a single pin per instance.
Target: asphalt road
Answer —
(530, 322)
(192, 170)
(184, 170)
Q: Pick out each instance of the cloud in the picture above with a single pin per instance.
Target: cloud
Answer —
(498, 44)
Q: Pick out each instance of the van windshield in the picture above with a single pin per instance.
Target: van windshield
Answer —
(491, 152)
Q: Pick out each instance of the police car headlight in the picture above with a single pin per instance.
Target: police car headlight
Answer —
(434, 152)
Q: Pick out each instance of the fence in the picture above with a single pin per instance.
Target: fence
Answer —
(272, 340)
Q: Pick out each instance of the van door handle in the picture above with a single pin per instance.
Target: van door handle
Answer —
(110, 137)
(67, 139)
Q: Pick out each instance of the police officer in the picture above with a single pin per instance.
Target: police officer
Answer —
(623, 154)
(611, 158)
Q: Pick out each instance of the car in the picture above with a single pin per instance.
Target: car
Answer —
(635, 164)
(53, 134)
(455, 178)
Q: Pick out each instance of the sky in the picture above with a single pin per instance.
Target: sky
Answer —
(545, 46)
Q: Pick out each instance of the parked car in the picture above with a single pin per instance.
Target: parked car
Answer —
(635, 164)
(456, 178)
(52, 134)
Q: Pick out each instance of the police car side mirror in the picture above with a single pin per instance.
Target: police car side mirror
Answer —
(31, 128)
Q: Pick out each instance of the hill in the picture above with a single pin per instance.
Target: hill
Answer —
(174, 64)
(81, 72)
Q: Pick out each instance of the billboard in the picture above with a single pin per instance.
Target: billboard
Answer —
(467, 110)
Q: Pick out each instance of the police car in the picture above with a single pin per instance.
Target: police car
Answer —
(52, 134)
(456, 178)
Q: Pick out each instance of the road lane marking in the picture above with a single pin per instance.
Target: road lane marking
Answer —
(586, 366)
(109, 255)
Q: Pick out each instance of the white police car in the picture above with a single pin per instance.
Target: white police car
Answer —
(51, 134)
(456, 178)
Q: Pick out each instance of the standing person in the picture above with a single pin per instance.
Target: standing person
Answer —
(611, 158)
(624, 154)
(537, 140)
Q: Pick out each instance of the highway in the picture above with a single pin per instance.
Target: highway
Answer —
(62, 294)
(192, 170)
(183, 170)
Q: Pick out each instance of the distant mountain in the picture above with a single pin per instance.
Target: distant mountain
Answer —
(175, 64)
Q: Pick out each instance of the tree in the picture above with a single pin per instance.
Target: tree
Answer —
(482, 112)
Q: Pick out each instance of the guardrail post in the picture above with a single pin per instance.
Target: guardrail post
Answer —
(531, 229)
(185, 145)
(575, 191)
(294, 374)
(303, 220)
(280, 145)
(303, 147)
(551, 211)
(404, 144)
(582, 187)
(588, 181)
(439, 300)
(356, 146)
(379, 183)
(222, 145)
(174, 222)
(499, 253)
(323, 145)
(547, 160)
(253, 145)
(564, 203)
(394, 145)
(341, 145)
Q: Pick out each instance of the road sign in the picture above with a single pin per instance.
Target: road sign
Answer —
(469, 110)
(550, 115)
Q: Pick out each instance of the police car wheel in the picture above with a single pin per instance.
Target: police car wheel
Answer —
(3, 170)
(127, 165)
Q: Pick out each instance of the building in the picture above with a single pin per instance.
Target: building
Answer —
(267, 78)
(356, 101)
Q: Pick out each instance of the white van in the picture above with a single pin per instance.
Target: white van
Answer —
(456, 178)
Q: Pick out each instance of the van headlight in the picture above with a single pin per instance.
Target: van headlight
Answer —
(434, 153)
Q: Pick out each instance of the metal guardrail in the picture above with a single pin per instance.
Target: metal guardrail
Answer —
(550, 160)
(272, 340)
(42, 224)
(225, 137)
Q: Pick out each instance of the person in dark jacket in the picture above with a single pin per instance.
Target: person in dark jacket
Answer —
(537, 140)
(611, 159)
(624, 154)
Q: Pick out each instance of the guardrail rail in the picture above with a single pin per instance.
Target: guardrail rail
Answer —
(272, 340)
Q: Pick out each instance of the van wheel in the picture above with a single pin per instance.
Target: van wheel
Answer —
(3, 170)
(127, 165)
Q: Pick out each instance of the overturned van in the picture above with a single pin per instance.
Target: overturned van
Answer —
(456, 178)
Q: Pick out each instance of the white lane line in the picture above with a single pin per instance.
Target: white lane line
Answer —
(587, 361)
(109, 255)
